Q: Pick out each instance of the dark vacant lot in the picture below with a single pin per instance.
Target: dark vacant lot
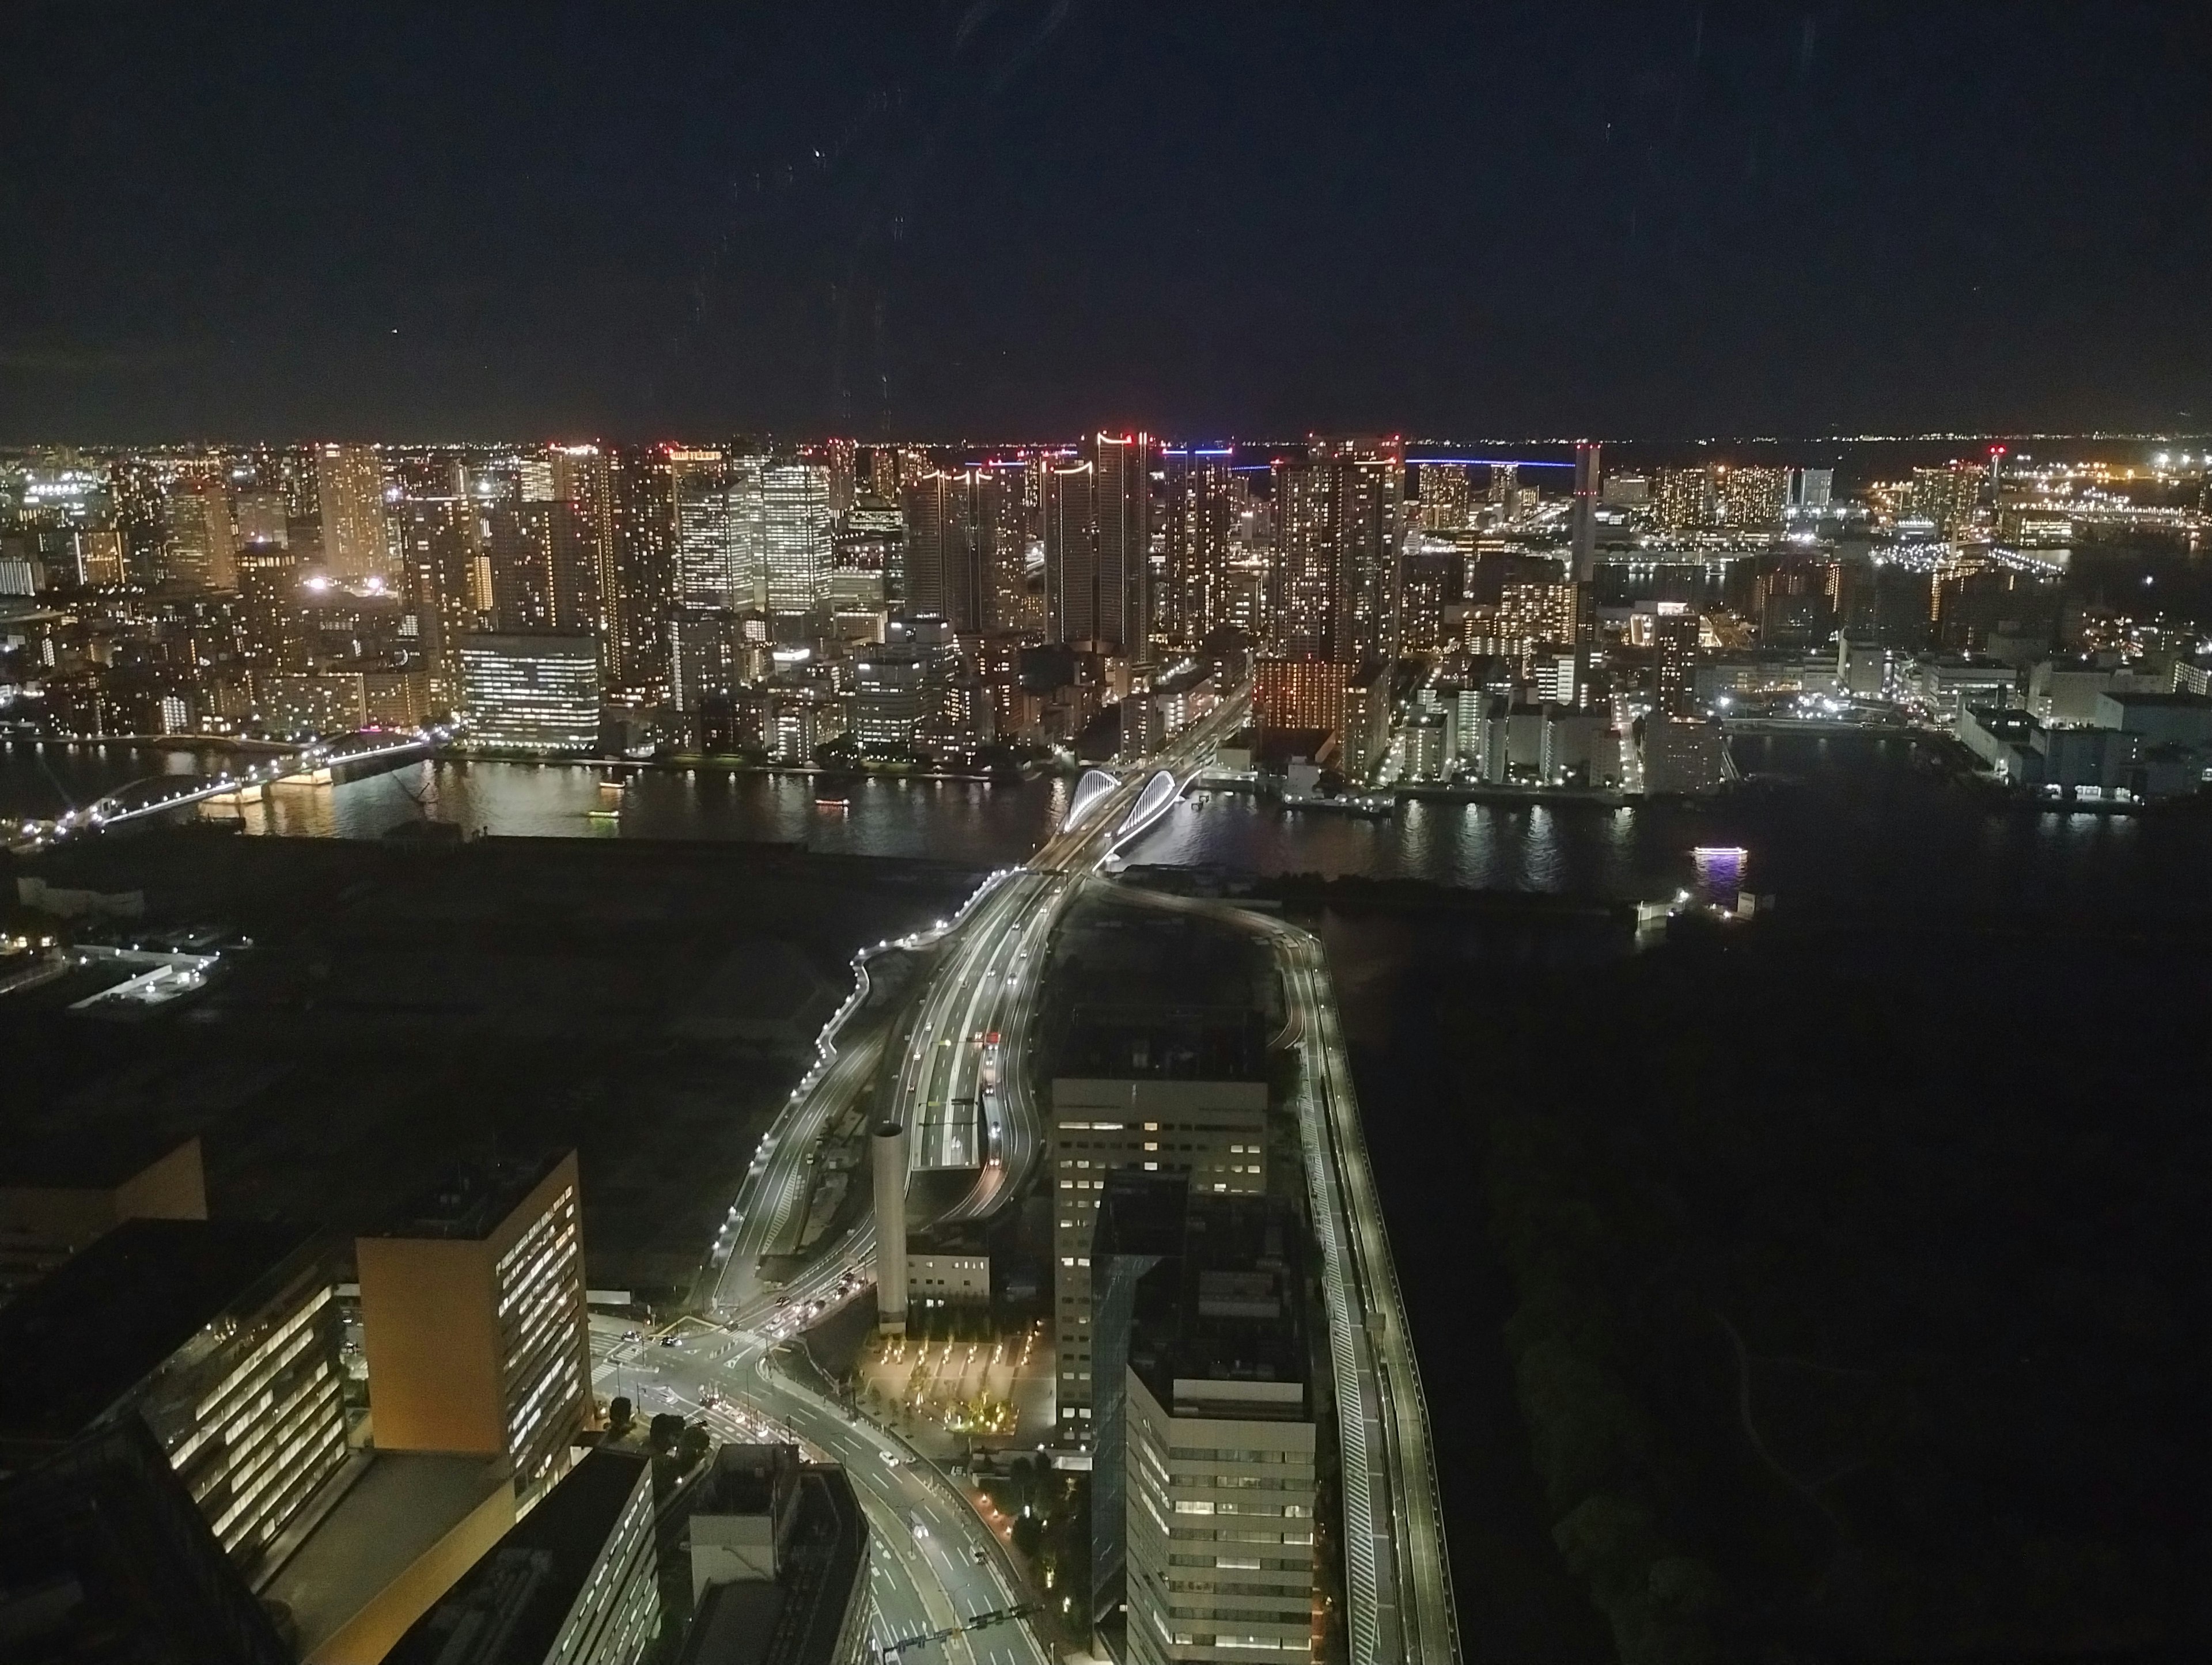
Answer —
(1830, 1289)
(403, 1006)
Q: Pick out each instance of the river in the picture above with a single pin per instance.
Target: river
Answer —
(1866, 820)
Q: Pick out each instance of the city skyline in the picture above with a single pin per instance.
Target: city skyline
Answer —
(865, 988)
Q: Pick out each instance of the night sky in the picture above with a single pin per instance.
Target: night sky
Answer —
(1013, 217)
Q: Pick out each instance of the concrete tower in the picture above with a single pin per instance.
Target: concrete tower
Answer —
(888, 1155)
(1588, 483)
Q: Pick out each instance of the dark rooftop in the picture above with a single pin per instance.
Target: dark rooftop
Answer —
(2158, 701)
(470, 1201)
(1232, 1306)
(85, 1158)
(738, 1624)
(550, 1551)
(79, 1342)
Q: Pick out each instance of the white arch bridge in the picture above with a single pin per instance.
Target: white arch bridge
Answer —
(1097, 786)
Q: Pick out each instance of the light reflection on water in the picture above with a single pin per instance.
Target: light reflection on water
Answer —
(1880, 833)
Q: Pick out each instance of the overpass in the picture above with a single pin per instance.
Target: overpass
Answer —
(964, 1042)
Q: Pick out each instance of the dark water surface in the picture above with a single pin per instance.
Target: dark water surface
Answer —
(1862, 820)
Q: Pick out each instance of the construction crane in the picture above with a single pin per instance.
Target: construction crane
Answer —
(982, 1621)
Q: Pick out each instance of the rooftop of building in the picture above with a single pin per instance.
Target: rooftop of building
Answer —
(1229, 1307)
(2005, 722)
(551, 1551)
(81, 1158)
(1140, 1214)
(470, 1201)
(82, 1340)
(800, 1617)
(1165, 1044)
(2144, 700)
(403, 1503)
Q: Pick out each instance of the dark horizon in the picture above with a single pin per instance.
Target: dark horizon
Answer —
(1034, 215)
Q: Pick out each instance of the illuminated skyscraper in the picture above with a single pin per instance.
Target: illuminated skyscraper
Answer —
(581, 536)
(349, 486)
(1674, 634)
(1071, 553)
(1202, 499)
(636, 602)
(796, 503)
(1098, 547)
(749, 527)
(1588, 482)
(1337, 533)
(706, 554)
(199, 542)
(437, 551)
(1445, 495)
(951, 531)
(842, 458)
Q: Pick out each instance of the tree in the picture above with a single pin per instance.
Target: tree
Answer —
(622, 1416)
(1028, 1533)
(663, 1432)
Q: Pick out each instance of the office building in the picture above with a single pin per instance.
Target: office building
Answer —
(796, 531)
(571, 1583)
(200, 542)
(531, 692)
(59, 1196)
(703, 656)
(887, 696)
(404, 1528)
(705, 552)
(1811, 490)
(106, 1559)
(350, 487)
(472, 1318)
(749, 525)
(1208, 1443)
(841, 458)
(1299, 693)
(779, 1562)
(257, 516)
(220, 1336)
(1213, 1133)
